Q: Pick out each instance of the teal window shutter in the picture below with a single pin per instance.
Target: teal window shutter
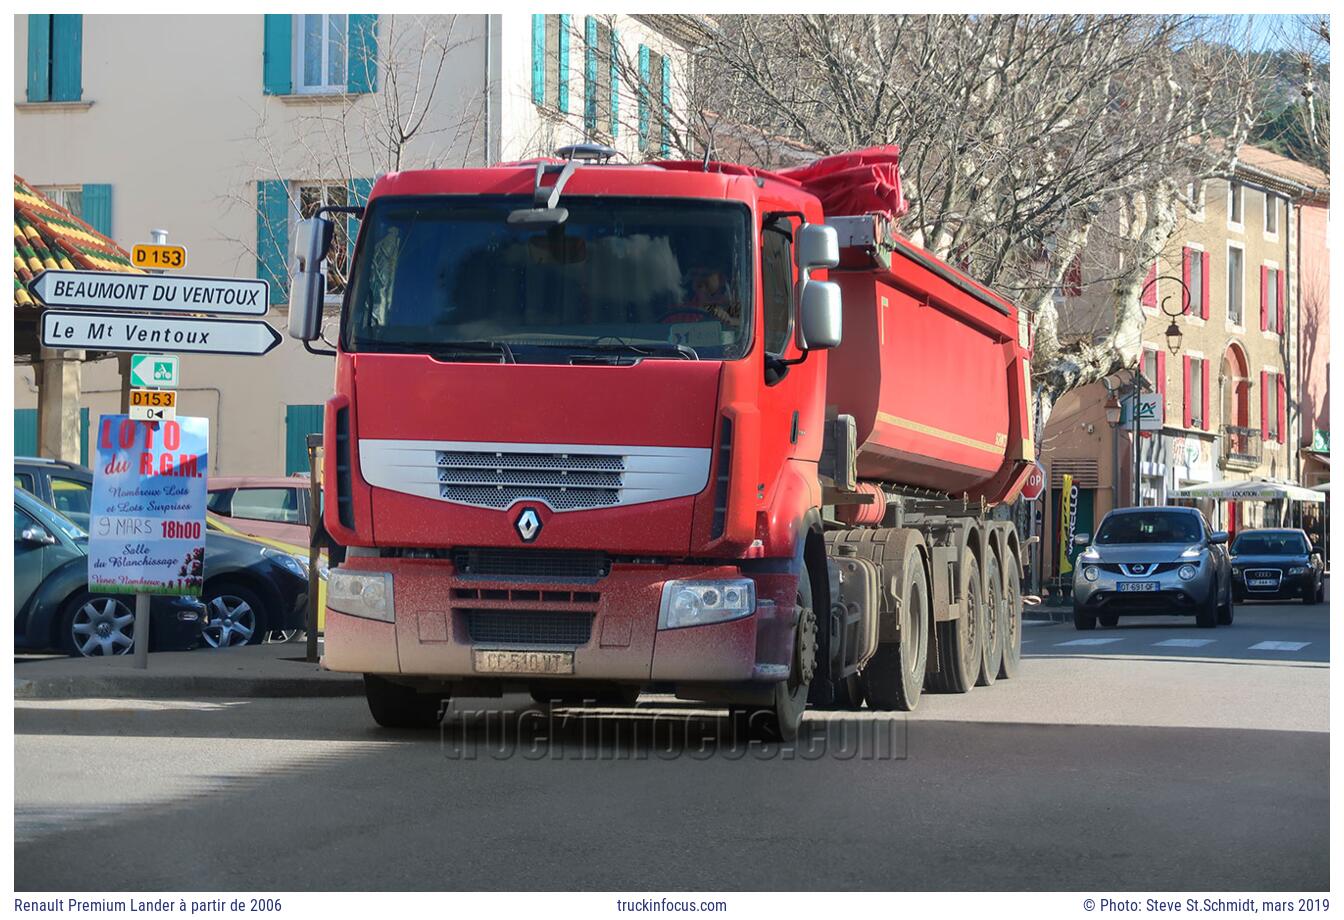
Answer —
(273, 237)
(300, 421)
(67, 57)
(277, 66)
(539, 58)
(362, 63)
(39, 58)
(590, 73)
(84, 436)
(643, 96)
(665, 143)
(359, 190)
(97, 208)
(562, 68)
(25, 432)
(615, 82)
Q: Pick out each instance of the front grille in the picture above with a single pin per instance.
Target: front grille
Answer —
(345, 502)
(529, 627)
(498, 479)
(720, 517)
(1274, 575)
(1138, 569)
(487, 562)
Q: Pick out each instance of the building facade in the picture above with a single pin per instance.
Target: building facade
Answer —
(1247, 276)
(225, 130)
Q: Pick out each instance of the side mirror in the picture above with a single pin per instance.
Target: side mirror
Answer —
(1218, 536)
(308, 285)
(819, 316)
(36, 536)
(818, 247)
(1082, 539)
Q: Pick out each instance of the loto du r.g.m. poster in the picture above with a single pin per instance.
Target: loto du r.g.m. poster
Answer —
(147, 523)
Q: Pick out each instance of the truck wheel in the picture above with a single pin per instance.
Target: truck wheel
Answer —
(1207, 615)
(992, 643)
(397, 706)
(1012, 633)
(894, 677)
(959, 640)
(780, 721)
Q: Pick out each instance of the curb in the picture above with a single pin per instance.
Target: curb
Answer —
(1042, 614)
(124, 686)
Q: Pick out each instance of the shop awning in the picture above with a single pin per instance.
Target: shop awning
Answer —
(1250, 490)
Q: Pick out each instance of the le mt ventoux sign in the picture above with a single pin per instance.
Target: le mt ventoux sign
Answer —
(133, 332)
(160, 293)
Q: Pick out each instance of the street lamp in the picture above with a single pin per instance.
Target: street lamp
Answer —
(1112, 409)
(1173, 338)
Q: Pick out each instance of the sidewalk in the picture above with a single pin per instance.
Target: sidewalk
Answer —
(275, 670)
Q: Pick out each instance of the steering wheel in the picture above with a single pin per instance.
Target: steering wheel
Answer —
(682, 311)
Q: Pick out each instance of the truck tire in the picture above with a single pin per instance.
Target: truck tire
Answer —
(1012, 602)
(992, 644)
(781, 719)
(894, 677)
(397, 706)
(959, 640)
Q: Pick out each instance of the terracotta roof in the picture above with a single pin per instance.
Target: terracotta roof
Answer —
(46, 235)
(1272, 164)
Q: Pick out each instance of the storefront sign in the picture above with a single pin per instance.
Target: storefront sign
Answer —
(147, 522)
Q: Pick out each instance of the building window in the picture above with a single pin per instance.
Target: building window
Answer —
(1272, 405)
(550, 61)
(1236, 283)
(55, 58)
(1153, 370)
(70, 197)
(320, 51)
(652, 91)
(1235, 198)
(1194, 271)
(1271, 299)
(1271, 213)
(597, 80)
(312, 196)
(1196, 397)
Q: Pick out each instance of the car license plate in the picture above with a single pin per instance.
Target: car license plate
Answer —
(1261, 582)
(1137, 586)
(499, 661)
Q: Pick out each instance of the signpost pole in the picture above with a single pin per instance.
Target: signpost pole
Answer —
(1138, 453)
(316, 532)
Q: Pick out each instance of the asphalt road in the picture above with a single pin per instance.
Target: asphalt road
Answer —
(1128, 765)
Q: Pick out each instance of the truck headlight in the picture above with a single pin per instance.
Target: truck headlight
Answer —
(1090, 573)
(361, 594)
(1187, 572)
(694, 603)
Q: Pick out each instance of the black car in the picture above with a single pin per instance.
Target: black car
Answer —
(53, 608)
(1276, 565)
(250, 588)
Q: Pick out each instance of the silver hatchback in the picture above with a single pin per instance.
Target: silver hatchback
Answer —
(1161, 561)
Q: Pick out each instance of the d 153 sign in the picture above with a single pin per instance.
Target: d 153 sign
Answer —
(1035, 484)
(153, 405)
(144, 255)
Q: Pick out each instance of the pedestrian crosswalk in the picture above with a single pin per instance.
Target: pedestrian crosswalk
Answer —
(1266, 646)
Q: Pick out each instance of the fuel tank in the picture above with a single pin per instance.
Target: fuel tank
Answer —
(933, 367)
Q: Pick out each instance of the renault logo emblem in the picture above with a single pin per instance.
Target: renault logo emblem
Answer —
(528, 525)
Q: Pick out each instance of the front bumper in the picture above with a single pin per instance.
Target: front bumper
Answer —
(442, 617)
(1287, 586)
(1173, 594)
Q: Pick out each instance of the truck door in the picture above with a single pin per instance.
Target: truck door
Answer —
(788, 392)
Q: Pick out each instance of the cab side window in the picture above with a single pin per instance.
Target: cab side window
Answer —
(777, 278)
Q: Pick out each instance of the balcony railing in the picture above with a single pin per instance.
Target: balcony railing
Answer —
(1242, 448)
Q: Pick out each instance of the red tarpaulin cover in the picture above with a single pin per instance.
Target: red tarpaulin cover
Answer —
(855, 183)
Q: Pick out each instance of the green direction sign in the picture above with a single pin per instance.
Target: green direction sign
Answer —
(154, 371)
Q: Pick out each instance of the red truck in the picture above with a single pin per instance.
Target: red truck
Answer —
(595, 429)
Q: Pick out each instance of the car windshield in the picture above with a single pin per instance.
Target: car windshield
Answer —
(54, 520)
(1149, 527)
(637, 277)
(1271, 544)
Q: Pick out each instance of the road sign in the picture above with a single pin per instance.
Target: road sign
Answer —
(157, 402)
(159, 293)
(159, 371)
(1035, 484)
(123, 332)
(149, 256)
(153, 413)
(1151, 412)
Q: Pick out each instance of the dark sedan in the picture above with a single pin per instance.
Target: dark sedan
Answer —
(1276, 564)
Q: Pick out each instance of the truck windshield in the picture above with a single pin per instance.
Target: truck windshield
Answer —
(647, 277)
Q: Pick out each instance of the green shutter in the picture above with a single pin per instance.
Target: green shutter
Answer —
(562, 68)
(277, 69)
(25, 432)
(358, 190)
(615, 82)
(67, 55)
(589, 73)
(39, 58)
(84, 437)
(643, 96)
(273, 237)
(97, 205)
(539, 58)
(300, 421)
(665, 142)
(362, 61)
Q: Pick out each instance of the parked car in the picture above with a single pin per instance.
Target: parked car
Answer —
(250, 589)
(53, 608)
(1153, 561)
(274, 507)
(1276, 565)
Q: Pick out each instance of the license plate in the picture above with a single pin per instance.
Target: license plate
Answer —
(497, 661)
(1261, 582)
(1136, 586)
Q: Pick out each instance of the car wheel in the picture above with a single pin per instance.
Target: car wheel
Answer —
(1082, 620)
(1309, 595)
(234, 616)
(1207, 616)
(398, 706)
(94, 626)
(1109, 620)
(278, 636)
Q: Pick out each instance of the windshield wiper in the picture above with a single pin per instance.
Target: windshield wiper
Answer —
(643, 349)
(447, 350)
